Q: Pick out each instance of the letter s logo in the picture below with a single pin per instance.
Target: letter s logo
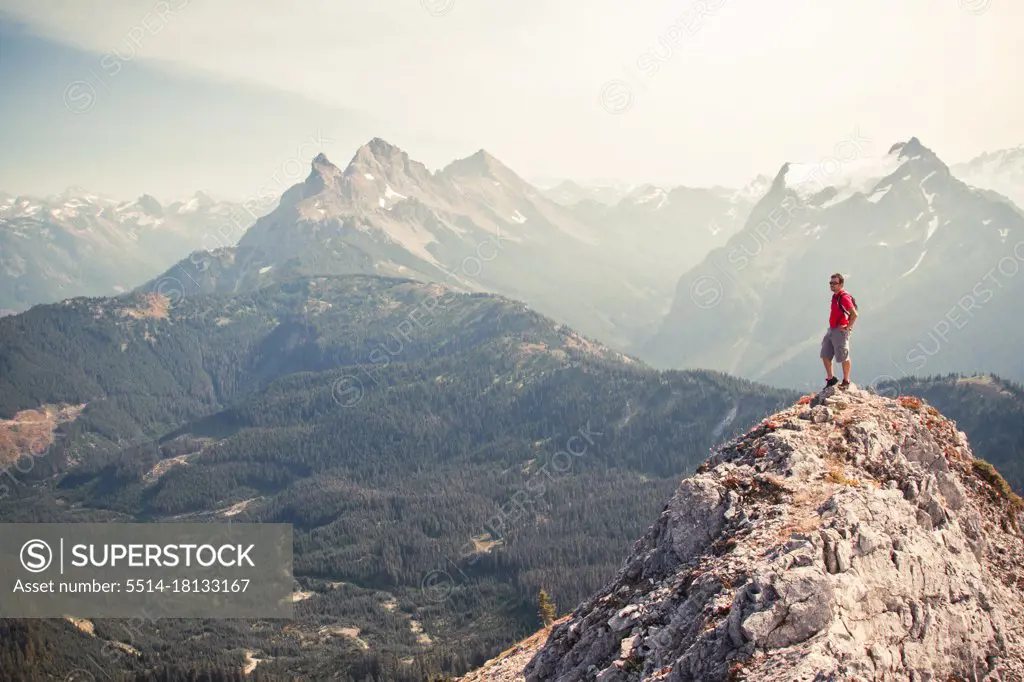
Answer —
(36, 556)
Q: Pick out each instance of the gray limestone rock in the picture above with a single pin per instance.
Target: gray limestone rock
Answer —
(903, 568)
(821, 414)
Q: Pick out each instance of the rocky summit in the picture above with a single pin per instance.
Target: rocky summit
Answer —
(849, 537)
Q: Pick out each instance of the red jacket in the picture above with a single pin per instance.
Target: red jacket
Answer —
(838, 317)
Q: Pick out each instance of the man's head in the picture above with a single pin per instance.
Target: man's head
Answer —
(835, 282)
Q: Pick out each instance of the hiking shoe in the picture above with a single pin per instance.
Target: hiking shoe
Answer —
(832, 382)
(844, 386)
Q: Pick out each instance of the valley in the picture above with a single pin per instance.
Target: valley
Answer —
(437, 474)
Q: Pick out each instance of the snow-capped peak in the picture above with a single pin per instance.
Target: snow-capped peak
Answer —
(846, 178)
(656, 196)
(859, 175)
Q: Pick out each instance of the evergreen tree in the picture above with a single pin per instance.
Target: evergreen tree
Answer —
(546, 608)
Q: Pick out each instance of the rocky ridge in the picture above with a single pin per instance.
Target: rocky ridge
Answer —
(849, 537)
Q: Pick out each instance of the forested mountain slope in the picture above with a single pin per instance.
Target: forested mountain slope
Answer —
(442, 456)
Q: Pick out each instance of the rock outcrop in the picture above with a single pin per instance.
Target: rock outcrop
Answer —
(508, 665)
(850, 537)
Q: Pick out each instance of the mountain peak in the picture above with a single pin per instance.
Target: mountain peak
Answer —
(480, 163)
(377, 153)
(381, 146)
(845, 178)
(851, 536)
(484, 157)
(913, 150)
(484, 166)
(150, 205)
(779, 183)
(910, 148)
(567, 185)
(322, 174)
(378, 174)
(323, 166)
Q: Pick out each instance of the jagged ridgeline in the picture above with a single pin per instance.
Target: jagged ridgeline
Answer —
(855, 537)
(442, 457)
(475, 225)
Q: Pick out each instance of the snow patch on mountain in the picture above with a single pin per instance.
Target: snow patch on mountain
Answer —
(859, 175)
(879, 193)
(189, 206)
(653, 194)
(919, 259)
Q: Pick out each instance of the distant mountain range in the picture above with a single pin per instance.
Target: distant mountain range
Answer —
(81, 244)
(1000, 171)
(475, 225)
(569, 193)
(605, 257)
(932, 262)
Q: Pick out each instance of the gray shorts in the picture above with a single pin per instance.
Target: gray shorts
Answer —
(836, 344)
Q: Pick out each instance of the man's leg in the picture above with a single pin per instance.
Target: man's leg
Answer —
(827, 351)
(842, 344)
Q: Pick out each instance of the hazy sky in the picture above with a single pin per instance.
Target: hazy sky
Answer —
(169, 96)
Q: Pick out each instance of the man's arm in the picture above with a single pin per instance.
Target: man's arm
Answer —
(852, 318)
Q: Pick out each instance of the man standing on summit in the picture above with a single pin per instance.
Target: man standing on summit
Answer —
(837, 339)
